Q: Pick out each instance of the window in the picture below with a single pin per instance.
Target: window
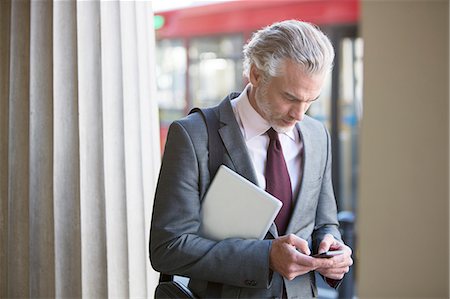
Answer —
(350, 114)
(170, 79)
(215, 68)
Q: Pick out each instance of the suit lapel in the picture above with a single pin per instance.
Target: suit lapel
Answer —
(233, 141)
(306, 166)
(235, 146)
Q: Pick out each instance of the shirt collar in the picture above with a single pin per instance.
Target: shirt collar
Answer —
(252, 122)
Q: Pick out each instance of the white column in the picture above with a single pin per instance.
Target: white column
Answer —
(114, 151)
(79, 149)
(5, 16)
(42, 251)
(133, 152)
(149, 122)
(92, 195)
(18, 152)
(66, 159)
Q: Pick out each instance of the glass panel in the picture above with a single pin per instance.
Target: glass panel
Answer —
(222, 46)
(350, 107)
(321, 108)
(215, 68)
(170, 79)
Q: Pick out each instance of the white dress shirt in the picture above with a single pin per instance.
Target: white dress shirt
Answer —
(253, 128)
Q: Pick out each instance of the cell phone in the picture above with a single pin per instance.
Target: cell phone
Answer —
(328, 254)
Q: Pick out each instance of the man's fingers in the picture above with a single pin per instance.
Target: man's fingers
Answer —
(299, 243)
(335, 267)
(345, 262)
(334, 273)
(341, 262)
(335, 246)
(326, 243)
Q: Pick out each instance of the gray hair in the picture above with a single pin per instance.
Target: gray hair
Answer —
(302, 42)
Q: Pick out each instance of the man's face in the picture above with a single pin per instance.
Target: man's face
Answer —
(283, 100)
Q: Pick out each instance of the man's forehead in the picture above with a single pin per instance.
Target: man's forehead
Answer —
(295, 79)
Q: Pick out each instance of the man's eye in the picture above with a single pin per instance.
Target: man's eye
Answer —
(290, 98)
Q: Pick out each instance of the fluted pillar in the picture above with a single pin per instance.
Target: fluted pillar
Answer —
(18, 151)
(79, 148)
(66, 176)
(5, 29)
(114, 154)
(41, 239)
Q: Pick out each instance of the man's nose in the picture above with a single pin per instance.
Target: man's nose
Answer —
(298, 111)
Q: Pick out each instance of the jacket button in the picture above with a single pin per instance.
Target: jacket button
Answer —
(251, 283)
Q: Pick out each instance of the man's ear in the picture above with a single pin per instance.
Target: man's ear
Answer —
(255, 76)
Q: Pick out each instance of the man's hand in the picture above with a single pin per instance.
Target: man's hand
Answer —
(290, 256)
(340, 264)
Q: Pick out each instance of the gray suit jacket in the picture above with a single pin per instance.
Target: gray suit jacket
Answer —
(234, 268)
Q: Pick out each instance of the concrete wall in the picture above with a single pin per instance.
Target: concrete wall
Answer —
(403, 217)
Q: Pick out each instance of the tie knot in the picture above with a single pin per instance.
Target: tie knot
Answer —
(273, 135)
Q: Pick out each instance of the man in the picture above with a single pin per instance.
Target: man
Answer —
(285, 64)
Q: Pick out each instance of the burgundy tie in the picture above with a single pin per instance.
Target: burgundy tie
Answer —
(278, 182)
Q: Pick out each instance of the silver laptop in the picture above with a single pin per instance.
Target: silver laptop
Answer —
(234, 207)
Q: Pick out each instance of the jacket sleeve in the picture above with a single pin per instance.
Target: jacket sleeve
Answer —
(175, 246)
(326, 213)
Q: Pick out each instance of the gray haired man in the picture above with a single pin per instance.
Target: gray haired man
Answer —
(285, 64)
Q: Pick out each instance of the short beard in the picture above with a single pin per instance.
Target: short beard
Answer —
(263, 104)
(282, 129)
